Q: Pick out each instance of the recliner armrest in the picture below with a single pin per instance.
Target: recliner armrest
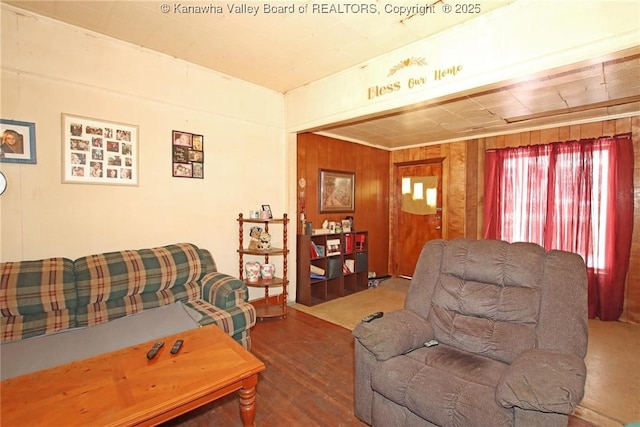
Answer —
(543, 380)
(393, 334)
(223, 290)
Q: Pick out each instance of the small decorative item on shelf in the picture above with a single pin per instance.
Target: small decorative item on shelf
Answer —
(268, 214)
(254, 235)
(253, 271)
(350, 219)
(267, 271)
(264, 241)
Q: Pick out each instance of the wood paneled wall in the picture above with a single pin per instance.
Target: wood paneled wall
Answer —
(463, 186)
(371, 167)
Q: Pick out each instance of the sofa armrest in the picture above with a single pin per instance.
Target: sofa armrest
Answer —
(544, 381)
(394, 333)
(223, 290)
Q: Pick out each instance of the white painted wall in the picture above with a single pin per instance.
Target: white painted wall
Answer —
(50, 68)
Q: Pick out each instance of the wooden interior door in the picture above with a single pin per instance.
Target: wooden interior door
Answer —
(412, 230)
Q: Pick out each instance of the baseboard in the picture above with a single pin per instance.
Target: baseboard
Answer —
(595, 417)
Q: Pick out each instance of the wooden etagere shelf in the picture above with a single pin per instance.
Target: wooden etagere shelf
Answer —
(267, 309)
(331, 266)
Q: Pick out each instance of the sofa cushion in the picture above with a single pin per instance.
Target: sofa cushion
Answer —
(115, 284)
(36, 297)
(104, 311)
(484, 302)
(30, 355)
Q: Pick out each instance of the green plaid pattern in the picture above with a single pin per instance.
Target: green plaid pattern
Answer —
(208, 261)
(36, 298)
(114, 275)
(232, 320)
(223, 291)
(41, 297)
(104, 311)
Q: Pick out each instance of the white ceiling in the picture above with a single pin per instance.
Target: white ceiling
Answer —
(283, 51)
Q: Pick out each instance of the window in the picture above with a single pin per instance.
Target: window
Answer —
(526, 203)
(574, 196)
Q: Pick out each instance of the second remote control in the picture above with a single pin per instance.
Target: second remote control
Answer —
(373, 316)
(176, 347)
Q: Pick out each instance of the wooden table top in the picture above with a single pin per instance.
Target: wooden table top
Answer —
(124, 388)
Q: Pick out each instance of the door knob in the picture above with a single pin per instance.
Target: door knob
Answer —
(438, 227)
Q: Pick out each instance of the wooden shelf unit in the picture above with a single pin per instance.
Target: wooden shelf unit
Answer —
(336, 282)
(267, 309)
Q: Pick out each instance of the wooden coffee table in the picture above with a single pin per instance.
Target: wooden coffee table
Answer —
(123, 388)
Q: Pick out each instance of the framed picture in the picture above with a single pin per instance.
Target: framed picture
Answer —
(18, 142)
(187, 154)
(336, 192)
(96, 151)
(267, 208)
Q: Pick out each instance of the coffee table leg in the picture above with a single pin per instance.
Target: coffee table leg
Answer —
(248, 401)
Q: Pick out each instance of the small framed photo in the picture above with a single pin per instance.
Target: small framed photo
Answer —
(96, 151)
(18, 142)
(187, 151)
(267, 208)
(336, 192)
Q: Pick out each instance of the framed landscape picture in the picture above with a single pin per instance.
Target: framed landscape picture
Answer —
(187, 154)
(18, 142)
(96, 151)
(336, 191)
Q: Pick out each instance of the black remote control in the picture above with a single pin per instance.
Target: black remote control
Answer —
(154, 350)
(373, 316)
(176, 347)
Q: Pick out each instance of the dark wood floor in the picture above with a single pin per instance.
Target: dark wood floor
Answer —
(308, 379)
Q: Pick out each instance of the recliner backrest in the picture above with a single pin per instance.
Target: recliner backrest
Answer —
(491, 297)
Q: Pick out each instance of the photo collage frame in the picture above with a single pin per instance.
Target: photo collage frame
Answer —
(95, 151)
(187, 155)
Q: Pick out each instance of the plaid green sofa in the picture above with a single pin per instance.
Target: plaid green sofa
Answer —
(51, 295)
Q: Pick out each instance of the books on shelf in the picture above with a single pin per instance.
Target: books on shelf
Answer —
(333, 247)
(334, 267)
(349, 266)
(318, 276)
(317, 270)
(317, 251)
(360, 238)
(349, 243)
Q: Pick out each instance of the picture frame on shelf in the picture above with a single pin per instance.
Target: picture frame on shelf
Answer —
(96, 151)
(336, 191)
(187, 154)
(18, 142)
(267, 208)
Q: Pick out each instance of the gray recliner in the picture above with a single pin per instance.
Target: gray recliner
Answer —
(509, 321)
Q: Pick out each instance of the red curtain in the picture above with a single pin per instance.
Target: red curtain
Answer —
(575, 196)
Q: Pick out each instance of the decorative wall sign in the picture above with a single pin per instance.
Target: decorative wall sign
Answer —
(95, 151)
(18, 142)
(407, 63)
(187, 154)
(336, 192)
